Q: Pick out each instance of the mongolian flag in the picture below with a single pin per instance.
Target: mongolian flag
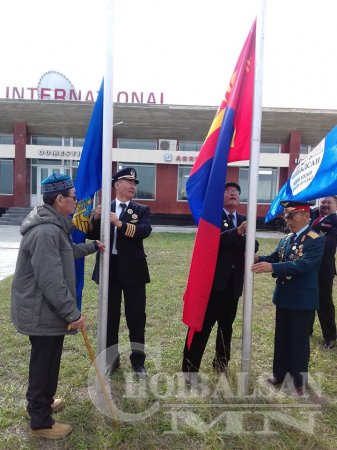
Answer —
(314, 177)
(228, 140)
(88, 182)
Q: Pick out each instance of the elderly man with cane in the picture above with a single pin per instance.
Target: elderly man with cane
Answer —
(44, 296)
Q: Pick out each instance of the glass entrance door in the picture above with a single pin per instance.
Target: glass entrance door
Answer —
(42, 173)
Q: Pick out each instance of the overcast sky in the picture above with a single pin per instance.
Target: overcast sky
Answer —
(186, 49)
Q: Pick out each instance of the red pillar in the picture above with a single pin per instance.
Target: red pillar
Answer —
(21, 175)
(294, 150)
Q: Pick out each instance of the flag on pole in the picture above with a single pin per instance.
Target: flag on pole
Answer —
(314, 177)
(88, 182)
(228, 140)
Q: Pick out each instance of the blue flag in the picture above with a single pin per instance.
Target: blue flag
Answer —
(88, 182)
(314, 177)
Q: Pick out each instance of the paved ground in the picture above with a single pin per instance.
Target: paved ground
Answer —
(9, 245)
(10, 240)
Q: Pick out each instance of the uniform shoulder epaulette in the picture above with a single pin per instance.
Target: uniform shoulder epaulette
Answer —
(313, 234)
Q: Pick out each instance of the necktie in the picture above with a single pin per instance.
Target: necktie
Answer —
(231, 220)
(317, 221)
(123, 207)
(292, 239)
(114, 250)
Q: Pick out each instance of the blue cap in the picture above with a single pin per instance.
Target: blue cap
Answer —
(55, 183)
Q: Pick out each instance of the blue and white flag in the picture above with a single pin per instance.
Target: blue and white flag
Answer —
(88, 182)
(314, 177)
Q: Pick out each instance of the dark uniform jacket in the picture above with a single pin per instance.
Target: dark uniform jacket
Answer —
(295, 266)
(327, 227)
(132, 265)
(231, 257)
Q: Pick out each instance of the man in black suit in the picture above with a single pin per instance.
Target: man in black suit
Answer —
(324, 222)
(226, 289)
(128, 270)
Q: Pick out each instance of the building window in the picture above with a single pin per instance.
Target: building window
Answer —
(146, 174)
(78, 142)
(269, 148)
(304, 149)
(6, 176)
(183, 174)
(190, 146)
(6, 139)
(34, 180)
(137, 144)
(47, 140)
(66, 142)
(47, 162)
(266, 186)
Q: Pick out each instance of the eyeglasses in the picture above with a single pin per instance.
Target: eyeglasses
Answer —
(232, 191)
(291, 215)
(71, 196)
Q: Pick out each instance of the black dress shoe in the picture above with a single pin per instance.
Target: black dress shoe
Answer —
(329, 344)
(110, 369)
(274, 381)
(220, 364)
(139, 371)
(220, 367)
(192, 379)
(299, 391)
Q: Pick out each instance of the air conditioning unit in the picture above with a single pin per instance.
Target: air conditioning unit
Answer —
(168, 145)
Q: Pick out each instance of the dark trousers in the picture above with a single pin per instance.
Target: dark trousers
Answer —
(326, 311)
(292, 344)
(221, 308)
(134, 306)
(44, 366)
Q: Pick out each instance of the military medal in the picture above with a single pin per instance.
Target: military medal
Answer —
(129, 211)
(225, 223)
(134, 216)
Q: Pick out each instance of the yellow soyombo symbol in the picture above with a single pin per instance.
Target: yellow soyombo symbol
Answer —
(82, 214)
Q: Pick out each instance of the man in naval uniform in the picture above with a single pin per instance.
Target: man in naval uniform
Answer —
(226, 289)
(324, 222)
(128, 270)
(294, 264)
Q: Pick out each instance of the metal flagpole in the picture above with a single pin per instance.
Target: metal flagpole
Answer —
(252, 203)
(106, 187)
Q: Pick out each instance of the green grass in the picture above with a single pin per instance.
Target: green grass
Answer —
(169, 257)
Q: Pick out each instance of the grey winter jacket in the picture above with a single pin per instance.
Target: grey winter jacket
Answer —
(43, 290)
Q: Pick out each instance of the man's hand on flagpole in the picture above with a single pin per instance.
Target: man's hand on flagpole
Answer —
(262, 267)
(115, 220)
(98, 212)
(241, 230)
(100, 246)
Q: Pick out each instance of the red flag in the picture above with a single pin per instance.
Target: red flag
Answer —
(228, 140)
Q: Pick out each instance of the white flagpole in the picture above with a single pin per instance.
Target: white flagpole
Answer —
(252, 203)
(106, 187)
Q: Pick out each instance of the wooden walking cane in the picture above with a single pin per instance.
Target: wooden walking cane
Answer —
(99, 376)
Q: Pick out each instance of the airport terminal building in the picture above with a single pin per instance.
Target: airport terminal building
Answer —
(162, 141)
